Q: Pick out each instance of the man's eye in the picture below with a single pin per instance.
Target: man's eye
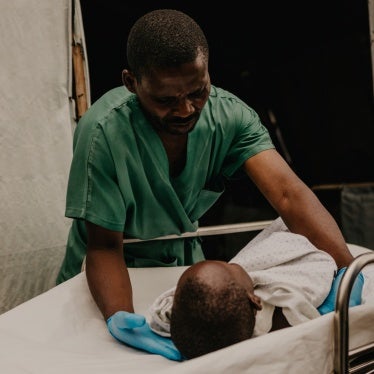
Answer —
(197, 94)
(165, 100)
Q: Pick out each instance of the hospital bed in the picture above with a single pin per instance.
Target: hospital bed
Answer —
(62, 331)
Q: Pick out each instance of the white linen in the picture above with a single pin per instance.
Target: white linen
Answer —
(160, 313)
(287, 270)
(62, 331)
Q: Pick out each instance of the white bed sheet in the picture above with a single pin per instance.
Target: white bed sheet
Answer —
(62, 331)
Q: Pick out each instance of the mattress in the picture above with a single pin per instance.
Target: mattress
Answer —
(62, 331)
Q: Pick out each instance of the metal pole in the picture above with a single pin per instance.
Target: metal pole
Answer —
(341, 336)
(211, 230)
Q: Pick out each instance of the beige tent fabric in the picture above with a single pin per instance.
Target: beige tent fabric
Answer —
(36, 122)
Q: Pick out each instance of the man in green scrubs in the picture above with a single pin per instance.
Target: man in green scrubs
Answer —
(149, 160)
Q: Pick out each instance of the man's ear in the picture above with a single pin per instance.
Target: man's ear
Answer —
(129, 80)
(255, 301)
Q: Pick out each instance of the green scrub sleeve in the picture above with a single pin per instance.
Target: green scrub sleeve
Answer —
(251, 138)
(93, 193)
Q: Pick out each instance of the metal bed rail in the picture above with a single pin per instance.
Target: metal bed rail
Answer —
(204, 231)
(211, 230)
(361, 359)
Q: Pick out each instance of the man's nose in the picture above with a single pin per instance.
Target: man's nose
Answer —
(184, 108)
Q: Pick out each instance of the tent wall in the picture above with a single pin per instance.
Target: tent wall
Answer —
(36, 122)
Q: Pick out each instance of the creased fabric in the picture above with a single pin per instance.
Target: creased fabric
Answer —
(36, 145)
(287, 271)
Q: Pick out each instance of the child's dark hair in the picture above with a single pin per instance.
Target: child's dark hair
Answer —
(205, 319)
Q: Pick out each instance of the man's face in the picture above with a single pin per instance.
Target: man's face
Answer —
(173, 98)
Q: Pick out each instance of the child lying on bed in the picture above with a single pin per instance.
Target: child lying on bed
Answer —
(216, 304)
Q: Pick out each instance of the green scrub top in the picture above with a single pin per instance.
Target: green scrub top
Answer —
(119, 177)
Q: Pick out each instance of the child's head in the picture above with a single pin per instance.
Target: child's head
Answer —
(214, 306)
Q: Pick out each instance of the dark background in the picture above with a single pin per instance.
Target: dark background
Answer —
(309, 63)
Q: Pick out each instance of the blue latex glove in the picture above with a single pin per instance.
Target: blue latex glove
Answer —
(355, 299)
(133, 330)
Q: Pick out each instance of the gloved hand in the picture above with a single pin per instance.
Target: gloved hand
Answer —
(132, 329)
(355, 299)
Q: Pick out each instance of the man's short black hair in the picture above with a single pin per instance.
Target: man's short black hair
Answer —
(164, 38)
(205, 319)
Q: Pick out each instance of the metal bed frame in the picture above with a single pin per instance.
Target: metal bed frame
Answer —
(359, 360)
